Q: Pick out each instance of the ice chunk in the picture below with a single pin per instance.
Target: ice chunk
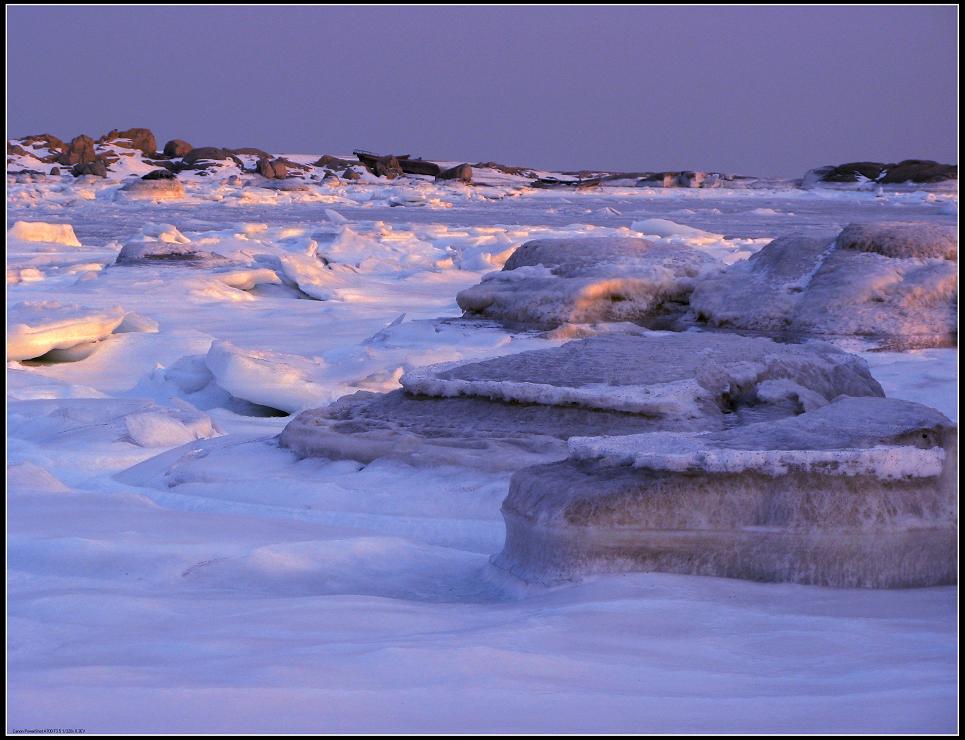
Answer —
(38, 231)
(860, 493)
(520, 409)
(280, 381)
(248, 279)
(35, 328)
(550, 282)
(892, 283)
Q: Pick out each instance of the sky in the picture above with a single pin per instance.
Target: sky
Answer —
(751, 90)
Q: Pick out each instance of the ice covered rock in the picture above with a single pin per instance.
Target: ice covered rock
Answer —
(34, 328)
(892, 283)
(38, 231)
(157, 188)
(44, 147)
(520, 409)
(858, 493)
(549, 282)
(159, 244)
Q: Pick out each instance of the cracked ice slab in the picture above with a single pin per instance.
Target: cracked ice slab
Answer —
(519, 409)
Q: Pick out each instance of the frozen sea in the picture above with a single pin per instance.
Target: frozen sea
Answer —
(172, 569)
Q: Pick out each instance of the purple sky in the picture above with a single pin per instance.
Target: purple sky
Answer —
(740, 89)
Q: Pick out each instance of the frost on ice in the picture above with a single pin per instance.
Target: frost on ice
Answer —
(858, 493)
(893, 283)
(494, 414)
(549, 282)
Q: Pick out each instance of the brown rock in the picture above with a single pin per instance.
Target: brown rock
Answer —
(461, 172)
(159, 175)
(141, 139)
(177, 148)
(327, 160)
(79, 151)
(419, 167)
(280, 166)
(98, 168)
(919, 170)
(388, 167)
(265, 168)
(212, 153)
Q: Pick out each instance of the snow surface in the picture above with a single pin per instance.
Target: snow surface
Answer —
(223, 585)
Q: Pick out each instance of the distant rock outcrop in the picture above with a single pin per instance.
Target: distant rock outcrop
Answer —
(461, 172)
(97, 168)
(79, 151)
(141, 139)
(909, 170)
(197, 157)
(176, 148)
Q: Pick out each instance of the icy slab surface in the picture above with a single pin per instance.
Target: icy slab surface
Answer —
(38, 231)
(894, 283)
(491, 413)
(860, 493)
(672, 375)
(880, 437)
(34, 328)
(547, 283)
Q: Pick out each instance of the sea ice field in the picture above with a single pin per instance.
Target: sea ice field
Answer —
(173, 568)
